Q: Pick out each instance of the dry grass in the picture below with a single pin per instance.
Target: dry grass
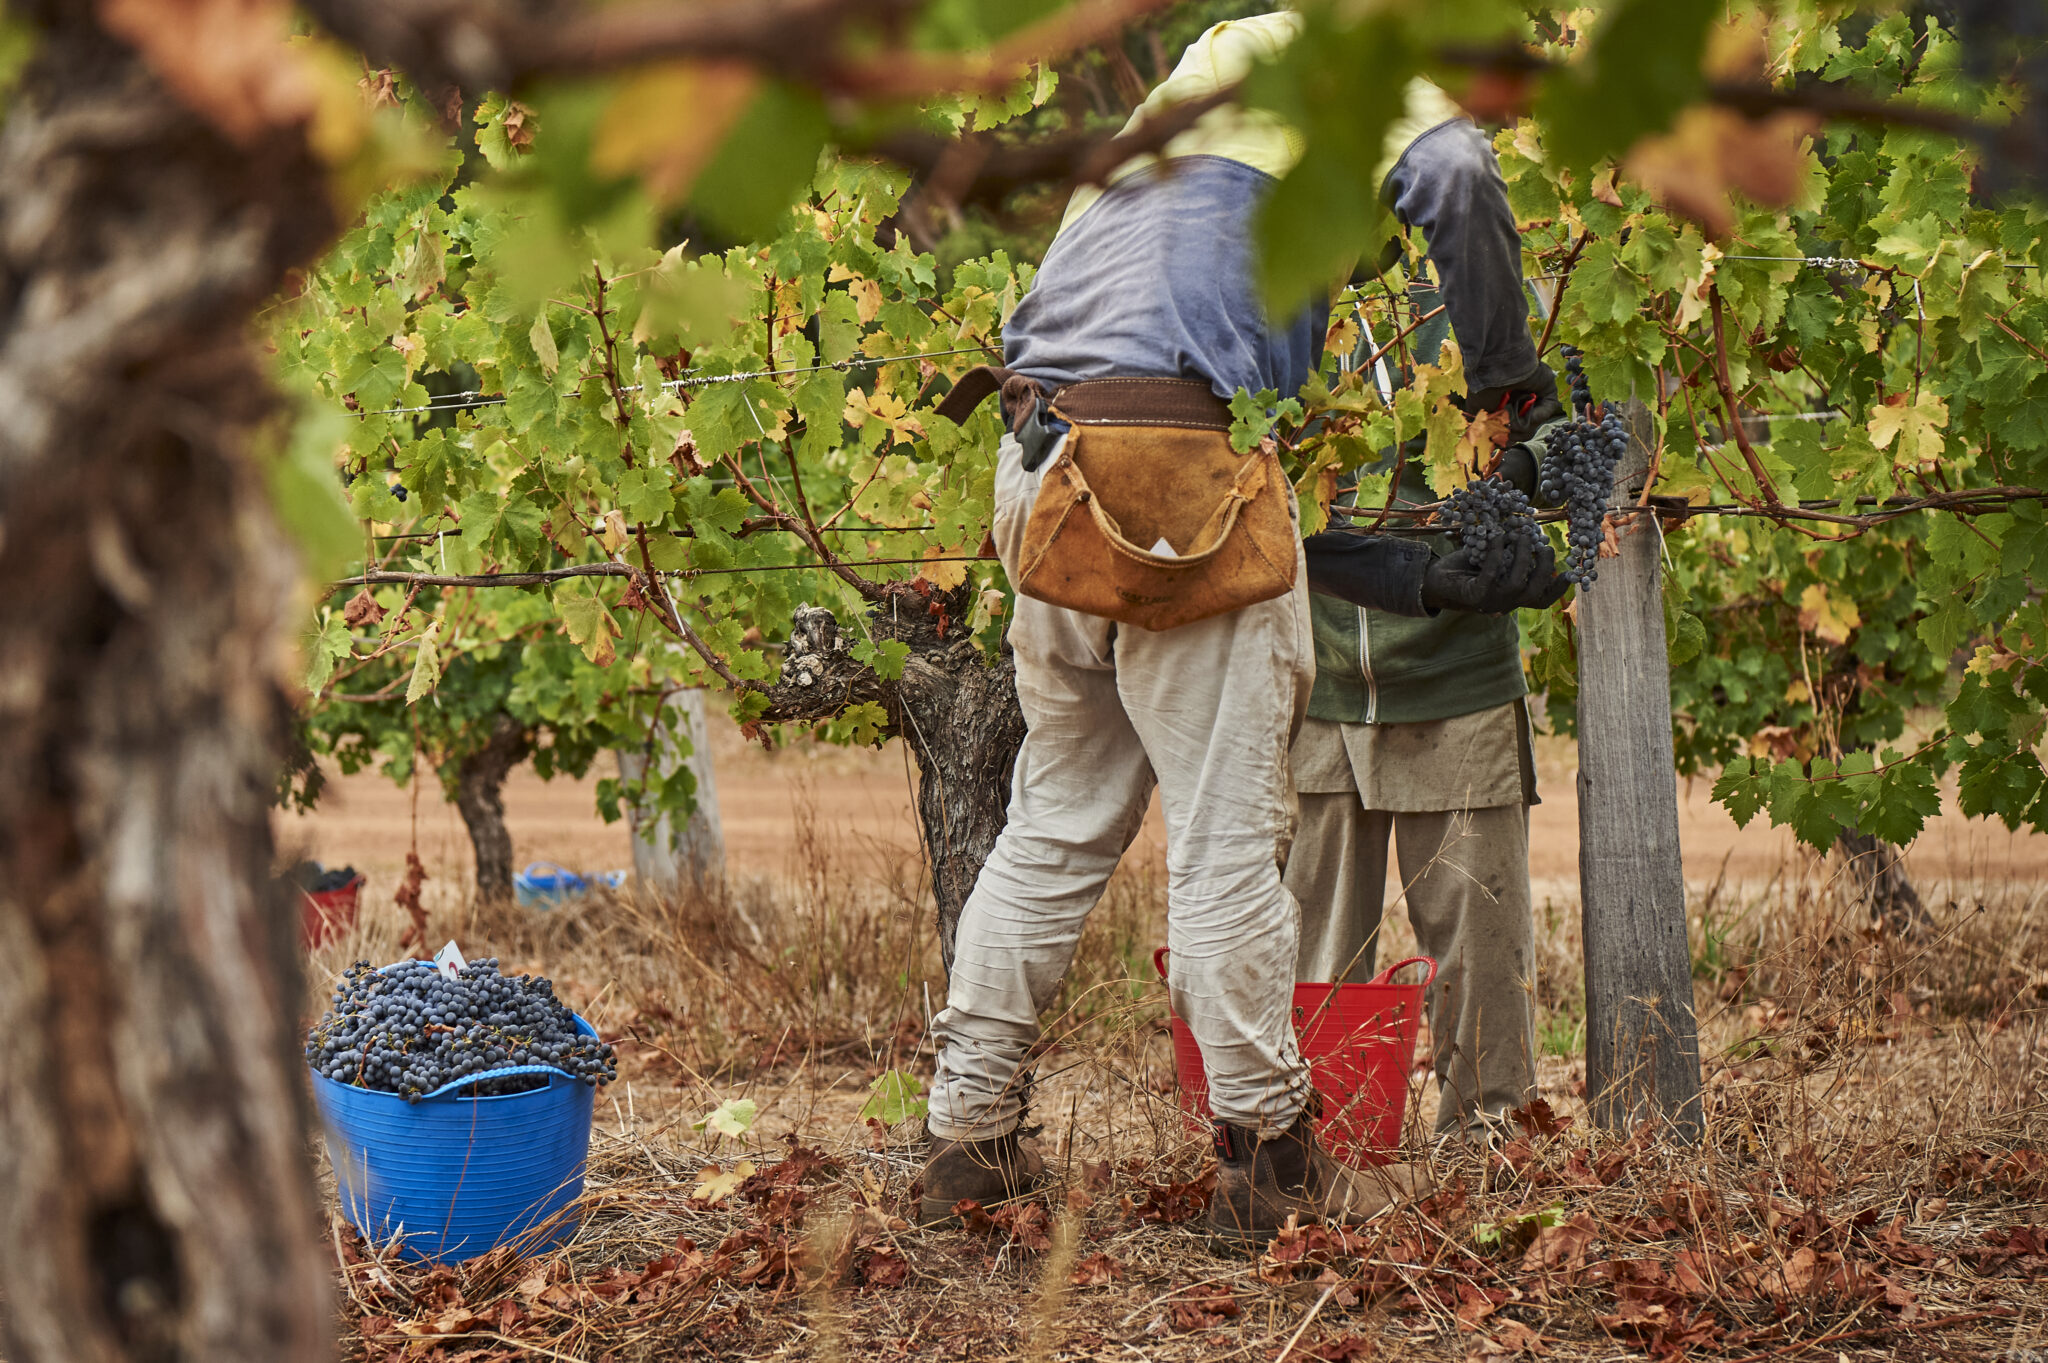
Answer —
(1871, 1184)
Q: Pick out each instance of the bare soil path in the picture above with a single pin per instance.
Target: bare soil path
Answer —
(856, 804)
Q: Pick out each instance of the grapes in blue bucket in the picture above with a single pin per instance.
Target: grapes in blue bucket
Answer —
(408, 1029)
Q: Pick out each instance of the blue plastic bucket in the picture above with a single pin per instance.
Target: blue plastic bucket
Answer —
(454, 1177)
(543, 884)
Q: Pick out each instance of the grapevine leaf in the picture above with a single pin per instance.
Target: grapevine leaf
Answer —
(716, 1184)
(886, 657)
(1644, 66)
(733, 1117)
(542, 339)
(1830, 619)
(1339, 87)
(895, 1096)
(763, 163)
(1741, 791)
(644, 495)
(426, 667)
(588, 621)
(325, 648)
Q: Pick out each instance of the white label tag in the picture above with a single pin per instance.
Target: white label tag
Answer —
(1163, 549)
(448, 960)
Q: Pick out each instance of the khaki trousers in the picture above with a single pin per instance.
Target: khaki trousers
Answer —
(1466, 874)
(1207, 711)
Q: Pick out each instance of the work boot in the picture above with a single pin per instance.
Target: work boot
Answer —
(1261, 1183)
(991, 1172)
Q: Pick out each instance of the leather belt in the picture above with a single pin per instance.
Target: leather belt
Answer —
(1186, 403)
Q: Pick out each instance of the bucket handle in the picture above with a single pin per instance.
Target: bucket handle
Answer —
(502, 1072)
(556, 867)
(1387, 976)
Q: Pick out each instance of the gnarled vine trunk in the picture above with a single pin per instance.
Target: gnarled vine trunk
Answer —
(956, 710)
(480, 795)
(1879, 872)
(156, 1198)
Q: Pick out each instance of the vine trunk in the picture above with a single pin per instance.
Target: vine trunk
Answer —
(480, 796)
(156, 1195)
(954, 706)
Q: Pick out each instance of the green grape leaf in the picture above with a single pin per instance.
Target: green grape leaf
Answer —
(644, 495)
(1643, 67)
(1741, 790)
(325, 648)
(894, 1097)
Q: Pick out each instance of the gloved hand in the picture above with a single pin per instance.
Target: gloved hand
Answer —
(1500, 578)
(1530, 402)
(1379, 572)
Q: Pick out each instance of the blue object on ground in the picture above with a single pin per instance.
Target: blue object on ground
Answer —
(543, 884)
(455, 1176)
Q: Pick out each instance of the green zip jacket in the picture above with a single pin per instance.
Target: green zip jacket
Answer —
(1375, 668)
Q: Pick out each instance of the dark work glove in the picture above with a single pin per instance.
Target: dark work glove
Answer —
(1518, 465)
(1500, 578)
(1379, 572)
(1531, 402)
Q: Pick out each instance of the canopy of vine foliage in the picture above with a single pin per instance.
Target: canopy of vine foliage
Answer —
(682, 372)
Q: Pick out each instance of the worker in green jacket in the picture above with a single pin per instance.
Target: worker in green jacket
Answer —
(1417, 732)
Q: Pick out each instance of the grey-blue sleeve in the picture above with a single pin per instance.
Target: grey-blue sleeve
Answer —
(1448, 184)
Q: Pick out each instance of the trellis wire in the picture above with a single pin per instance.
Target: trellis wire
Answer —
(476, 397)
(538, 577)
(1352, 293)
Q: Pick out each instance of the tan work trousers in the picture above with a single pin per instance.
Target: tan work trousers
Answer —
(1465, 875)
(1207, 712)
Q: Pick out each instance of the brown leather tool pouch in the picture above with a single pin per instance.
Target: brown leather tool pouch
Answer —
(1120, 486)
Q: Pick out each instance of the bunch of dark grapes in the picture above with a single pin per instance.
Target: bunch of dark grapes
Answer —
(409, 1030)
(1486, 510)
(1578, 470)
(1575, 376)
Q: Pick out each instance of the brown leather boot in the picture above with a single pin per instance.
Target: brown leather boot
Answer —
(1260, 1183)
(993, 1171)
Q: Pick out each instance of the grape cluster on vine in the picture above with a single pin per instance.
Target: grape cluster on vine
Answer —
(1578, 470)
(409, 1030)
(1575, 377)
(1489, 510)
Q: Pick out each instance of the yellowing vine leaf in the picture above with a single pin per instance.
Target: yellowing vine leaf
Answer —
(1829, 619)
(589, 623)
(943, 568)
(426, 667)
(867, 298)
(887, 408)
(1485, 433)
(543, 339)
(1916, 426)
(1711, 151)
(715, 1185)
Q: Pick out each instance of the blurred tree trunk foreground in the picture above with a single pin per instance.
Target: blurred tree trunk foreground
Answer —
(155, 1197)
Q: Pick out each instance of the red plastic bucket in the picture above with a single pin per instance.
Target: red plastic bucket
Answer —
(326, 914)
(1359, 1040)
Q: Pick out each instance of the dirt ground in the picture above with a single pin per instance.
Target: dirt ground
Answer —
(1869, 1184)
(857, 805)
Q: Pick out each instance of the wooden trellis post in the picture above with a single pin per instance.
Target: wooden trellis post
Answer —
(1642, 1039)
(666, 859)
